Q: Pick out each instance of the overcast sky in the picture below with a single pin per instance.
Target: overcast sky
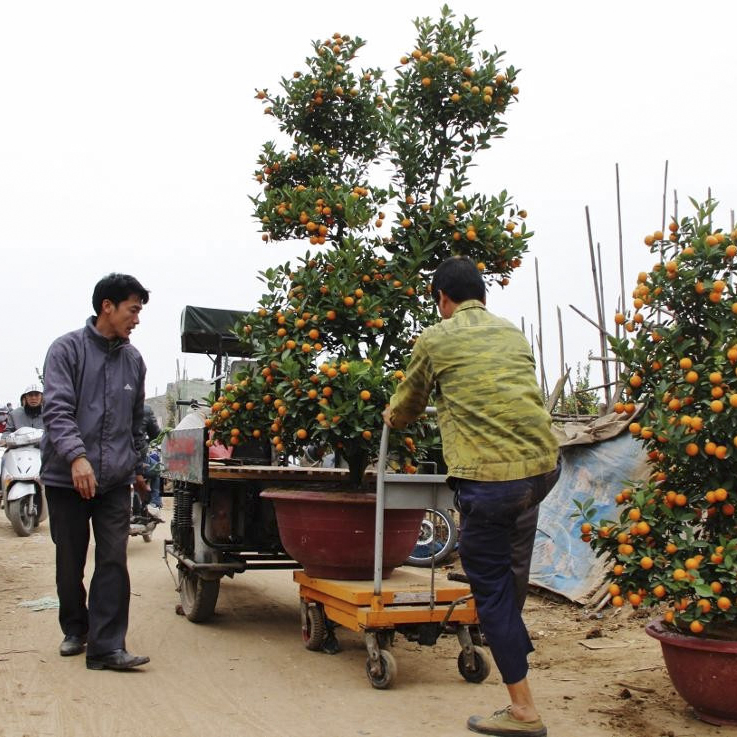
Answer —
(129, 135)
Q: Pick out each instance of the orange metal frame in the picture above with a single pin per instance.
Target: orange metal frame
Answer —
(405, 599)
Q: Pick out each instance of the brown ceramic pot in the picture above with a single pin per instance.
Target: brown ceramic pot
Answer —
(331, 533)
(703, 671)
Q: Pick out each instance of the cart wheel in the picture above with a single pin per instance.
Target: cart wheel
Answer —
(481, 665)
(388, 670)
(198, 595)
(315, 629)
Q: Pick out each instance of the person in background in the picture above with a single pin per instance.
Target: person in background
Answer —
(151, 430)
(29, 414)
(3, 419)
(502, 461)
(91, 454)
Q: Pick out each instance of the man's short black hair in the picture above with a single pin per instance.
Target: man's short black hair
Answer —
(459, 279)
(117, 288)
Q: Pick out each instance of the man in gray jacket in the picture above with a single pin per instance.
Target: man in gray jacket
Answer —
(91, 454)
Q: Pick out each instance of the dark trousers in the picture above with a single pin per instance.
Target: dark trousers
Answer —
(103, 619)
(490, 539)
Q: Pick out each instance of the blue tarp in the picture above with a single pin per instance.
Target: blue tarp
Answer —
(561, 561)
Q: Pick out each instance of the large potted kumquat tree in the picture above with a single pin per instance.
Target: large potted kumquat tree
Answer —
(333, 331)
(674, 544)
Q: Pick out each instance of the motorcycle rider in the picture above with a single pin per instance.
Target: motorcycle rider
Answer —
(29, 412)
(152, 430)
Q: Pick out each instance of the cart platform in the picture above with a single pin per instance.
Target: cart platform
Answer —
(405, 598)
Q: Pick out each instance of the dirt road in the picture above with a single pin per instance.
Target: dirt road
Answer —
(247, 674)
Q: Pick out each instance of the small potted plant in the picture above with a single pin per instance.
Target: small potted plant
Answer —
(334, 329)
(674, 544)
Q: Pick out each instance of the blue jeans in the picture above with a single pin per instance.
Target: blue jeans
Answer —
(155, 483)
(489, 515)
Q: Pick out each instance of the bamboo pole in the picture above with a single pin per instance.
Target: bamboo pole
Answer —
(621, 248)
(599, 309)
(675, 204)
(561, 349)
(543, 377)
(540, 325)
(588, 319)
(665, 192)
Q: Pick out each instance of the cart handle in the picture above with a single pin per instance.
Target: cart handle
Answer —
(380, 503)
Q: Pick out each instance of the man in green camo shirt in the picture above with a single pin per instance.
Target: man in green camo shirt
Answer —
(502, 461)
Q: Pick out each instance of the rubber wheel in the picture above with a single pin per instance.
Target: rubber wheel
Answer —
(481, 665)
(438, 531)
(198, 596)
(316, 630)
(21, 516)
(388, 670)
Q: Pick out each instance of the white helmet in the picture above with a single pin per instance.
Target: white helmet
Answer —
(31, 388)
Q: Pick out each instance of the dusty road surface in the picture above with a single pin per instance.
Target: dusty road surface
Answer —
(247, 674)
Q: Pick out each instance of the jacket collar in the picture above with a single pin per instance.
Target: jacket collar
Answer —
(470, 304)
(100, 339)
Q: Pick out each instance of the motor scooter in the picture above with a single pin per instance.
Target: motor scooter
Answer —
(23, 493)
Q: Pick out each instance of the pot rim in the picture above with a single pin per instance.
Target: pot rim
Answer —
(344, 497)
(657, 630)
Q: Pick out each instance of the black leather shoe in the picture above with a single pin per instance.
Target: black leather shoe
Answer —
(72, 645)
(116, 660)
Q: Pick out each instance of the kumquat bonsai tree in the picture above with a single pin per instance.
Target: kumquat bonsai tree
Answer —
(674, 541)
(333, 332)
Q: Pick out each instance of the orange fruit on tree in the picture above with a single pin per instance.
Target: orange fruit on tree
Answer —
(365, 395)
(696, 627)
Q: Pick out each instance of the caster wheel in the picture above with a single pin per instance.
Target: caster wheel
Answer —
(481, 665)
(315, 630)
(388, 670)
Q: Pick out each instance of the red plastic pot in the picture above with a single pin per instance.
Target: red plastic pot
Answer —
(703, 671)
(332, 533)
